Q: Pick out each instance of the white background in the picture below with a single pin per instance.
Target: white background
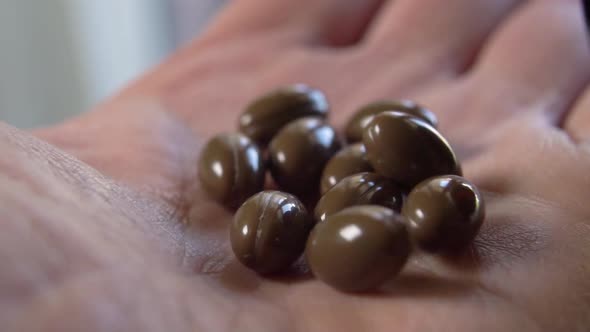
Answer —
(60, 57)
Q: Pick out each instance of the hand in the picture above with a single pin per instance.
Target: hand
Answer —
(108, 230)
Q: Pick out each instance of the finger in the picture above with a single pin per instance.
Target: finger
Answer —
(448, 33)
(539, 60)
(331, 22)
(577, 123)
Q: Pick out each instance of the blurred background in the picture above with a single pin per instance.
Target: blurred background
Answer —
(60, 57)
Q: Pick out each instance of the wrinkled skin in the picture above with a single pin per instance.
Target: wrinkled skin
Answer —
(104, 227)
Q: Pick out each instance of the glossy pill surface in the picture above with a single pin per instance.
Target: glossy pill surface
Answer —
(264, 117)
(444, 213)
(359, 121)
(407, 149)
(360, 189)
(299, 152)
(269, 231)
(348, 161)
(359, 248)
(231, 169)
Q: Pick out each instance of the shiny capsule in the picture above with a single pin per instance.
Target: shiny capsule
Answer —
(359, 121)
(360, 189)
(269, 231)
(264, 117)
(348, 161)
(299, 152)
(407, 149)
(444, 213)
(359, 248)
(231, 169)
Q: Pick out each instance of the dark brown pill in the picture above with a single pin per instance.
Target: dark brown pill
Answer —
(444, 213)
(264, 117)
(360, 120)
(360, 189)
(299, 152)
(359, 248)
(231, 169)
(269, 231)
(348, 161)
(407, 149)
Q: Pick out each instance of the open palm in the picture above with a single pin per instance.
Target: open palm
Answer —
(106, 229)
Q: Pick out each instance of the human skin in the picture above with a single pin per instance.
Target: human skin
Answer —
(105, 228)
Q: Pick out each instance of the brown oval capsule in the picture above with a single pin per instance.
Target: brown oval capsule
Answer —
(264, 117)
(299, 152)
(231, 169)
(269, 231)
(407, 149)
(444, 213)
(360, 189)
(359, 248)
(359, 121)
(348, 161)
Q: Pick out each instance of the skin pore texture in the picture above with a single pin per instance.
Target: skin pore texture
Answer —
(105, 228)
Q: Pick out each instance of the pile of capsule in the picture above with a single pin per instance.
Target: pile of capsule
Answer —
(397, 186)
